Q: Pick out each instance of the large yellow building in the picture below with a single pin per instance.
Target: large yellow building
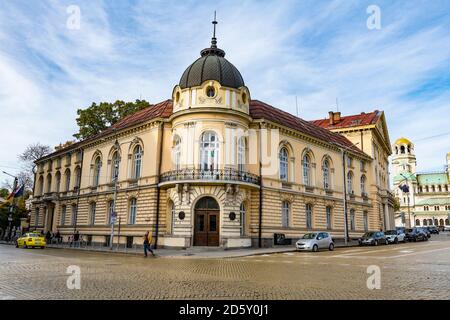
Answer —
(213, 167)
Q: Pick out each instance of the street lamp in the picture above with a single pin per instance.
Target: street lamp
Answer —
(405, 189)
(116, 178)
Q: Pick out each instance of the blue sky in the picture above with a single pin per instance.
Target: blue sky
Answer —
(317, 50)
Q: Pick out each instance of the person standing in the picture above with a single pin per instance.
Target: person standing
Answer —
(148, 243)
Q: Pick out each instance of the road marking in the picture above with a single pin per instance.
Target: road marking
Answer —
(288, 253)
(414, 253)
(354, 254)
(406, 251)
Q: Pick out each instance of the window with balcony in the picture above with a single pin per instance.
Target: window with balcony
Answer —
(177, 152)
(241, 154)
(209, 151)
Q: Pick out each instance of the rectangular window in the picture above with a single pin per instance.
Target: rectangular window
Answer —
(63, 215)
(308, 216)
(133, 211)
(366, 221)
(329, 224)
(352, 220)
(93, 209)
(74, 214)
(363, 165)
(285, 214)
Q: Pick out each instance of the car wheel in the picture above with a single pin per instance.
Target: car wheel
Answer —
(415, 239)
(331, 247)
(386, 241)
(360, 242)
(396, 240)
(315, 248)
(375, 243)
(42, 247)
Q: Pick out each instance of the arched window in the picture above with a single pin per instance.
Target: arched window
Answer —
(352, 220)
(447, 222)
(425, 222)
(417, 222)
(137, 161)
(306, 163)
(309, 219)
(58, 181)
(77, 177)
(93, 209)
(329, 218)
(363, 184)
(402, 149)
(285, 208)
(430, 222)
(177, 152)
(209, 151)
(350, 182)
(133, 211)
(41, 186)
(326, 174)
(115, 164)
(284, 158)
(67, 180)
(49, 183)
(97, 167)
(242, 218)
(241, 154)
(441, 222)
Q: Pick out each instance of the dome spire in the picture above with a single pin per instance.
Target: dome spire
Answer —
(214, 39)
(213, 50)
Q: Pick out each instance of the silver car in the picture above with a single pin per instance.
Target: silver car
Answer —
(395, 236)
(315, 241)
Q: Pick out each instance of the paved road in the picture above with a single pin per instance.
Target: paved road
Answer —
(408, 271)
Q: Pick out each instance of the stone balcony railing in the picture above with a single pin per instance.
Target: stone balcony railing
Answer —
(210, 175)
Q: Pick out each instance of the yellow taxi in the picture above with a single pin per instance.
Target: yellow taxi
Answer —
(31, 240)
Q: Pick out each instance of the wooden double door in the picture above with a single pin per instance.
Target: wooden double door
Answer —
(206, 230)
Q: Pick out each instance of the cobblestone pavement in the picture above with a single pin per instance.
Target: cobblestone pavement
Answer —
(408, 271)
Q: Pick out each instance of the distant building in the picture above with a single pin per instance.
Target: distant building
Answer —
(428, 200)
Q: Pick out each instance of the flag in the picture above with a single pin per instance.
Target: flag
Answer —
(19, 192)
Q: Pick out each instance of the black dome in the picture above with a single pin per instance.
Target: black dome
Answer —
(212, 66)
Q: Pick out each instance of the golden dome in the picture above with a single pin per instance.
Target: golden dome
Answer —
(402, 141)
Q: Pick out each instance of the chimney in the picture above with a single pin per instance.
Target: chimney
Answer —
(335, 117)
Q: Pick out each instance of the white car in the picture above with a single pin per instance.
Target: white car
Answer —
(395, 236)
(315, 241)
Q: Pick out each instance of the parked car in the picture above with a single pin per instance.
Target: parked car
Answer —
(415, 234)
(433, 229)
(373, 239)
(315, 241)
(425, 230)
(395, 236)
(447, 228)
(31, 240)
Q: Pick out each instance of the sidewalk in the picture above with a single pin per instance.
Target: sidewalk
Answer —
(193, 252)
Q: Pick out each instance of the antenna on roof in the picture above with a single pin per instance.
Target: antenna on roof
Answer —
(296, 105)
(214, 39)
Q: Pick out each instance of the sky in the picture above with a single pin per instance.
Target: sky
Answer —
(52, 63)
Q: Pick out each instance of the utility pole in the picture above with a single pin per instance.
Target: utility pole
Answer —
(408, 194)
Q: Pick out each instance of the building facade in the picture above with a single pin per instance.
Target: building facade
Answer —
(427, 200)
(209, 167)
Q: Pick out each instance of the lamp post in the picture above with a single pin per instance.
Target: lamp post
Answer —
(407, 192)
(116, 178)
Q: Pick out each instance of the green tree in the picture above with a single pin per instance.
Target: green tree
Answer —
(98, 117)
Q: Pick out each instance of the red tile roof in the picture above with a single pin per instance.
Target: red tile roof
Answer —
(258, 110)
(261, 110)
(350, 121)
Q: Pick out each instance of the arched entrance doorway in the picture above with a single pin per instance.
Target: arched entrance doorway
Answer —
(206, 222)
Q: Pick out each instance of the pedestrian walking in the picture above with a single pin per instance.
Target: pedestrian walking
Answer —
(76, 238)
(148, 243)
